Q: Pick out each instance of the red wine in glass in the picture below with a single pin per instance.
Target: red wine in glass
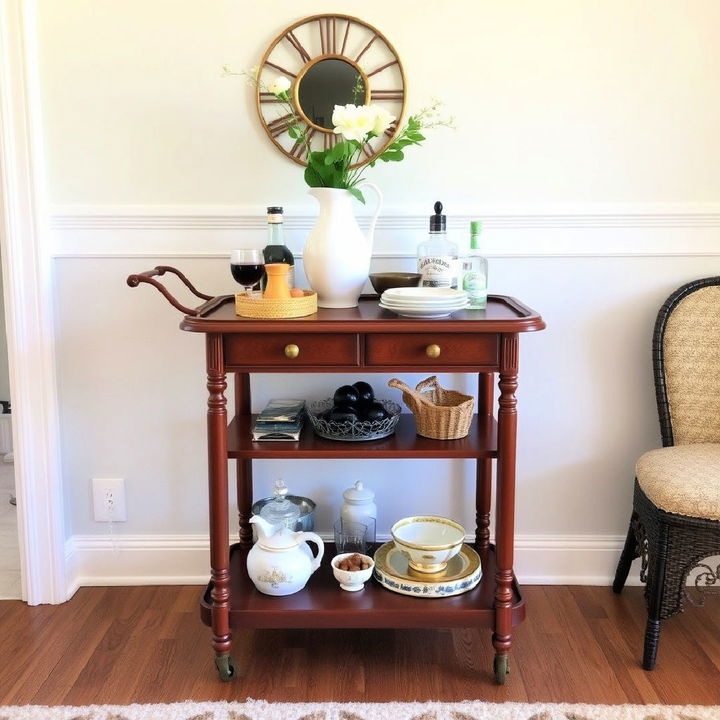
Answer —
(247, 275)
(246, 266)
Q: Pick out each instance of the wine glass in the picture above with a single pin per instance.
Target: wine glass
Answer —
(247, 266)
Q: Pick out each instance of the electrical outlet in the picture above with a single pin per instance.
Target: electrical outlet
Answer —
(109, 500)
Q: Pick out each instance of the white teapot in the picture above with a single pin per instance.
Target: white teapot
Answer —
(280, 562)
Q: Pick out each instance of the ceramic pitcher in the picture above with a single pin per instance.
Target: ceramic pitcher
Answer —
(336, 257)
(280, 562)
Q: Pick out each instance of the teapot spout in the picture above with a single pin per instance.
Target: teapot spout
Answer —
(264, 528)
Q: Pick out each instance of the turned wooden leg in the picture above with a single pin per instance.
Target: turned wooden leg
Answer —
(629, 553)
(243, 474)
(218, 497)
(483, 471)
(505, 505)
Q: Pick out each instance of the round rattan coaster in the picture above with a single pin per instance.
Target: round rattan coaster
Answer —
(256, 306)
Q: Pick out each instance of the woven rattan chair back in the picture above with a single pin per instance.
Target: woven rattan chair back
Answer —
(686, 353)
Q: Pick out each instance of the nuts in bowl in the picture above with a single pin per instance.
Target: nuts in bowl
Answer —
(351, 570)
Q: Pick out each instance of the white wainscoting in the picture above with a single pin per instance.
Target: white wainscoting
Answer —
(184, 560)
(543, 255)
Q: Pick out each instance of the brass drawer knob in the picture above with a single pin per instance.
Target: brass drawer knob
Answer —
(432, 351)
(292, 351)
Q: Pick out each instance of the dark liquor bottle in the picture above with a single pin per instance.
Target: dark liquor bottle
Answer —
(276, 251)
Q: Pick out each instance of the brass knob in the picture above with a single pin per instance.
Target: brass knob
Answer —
(292, 351)
(432, 351)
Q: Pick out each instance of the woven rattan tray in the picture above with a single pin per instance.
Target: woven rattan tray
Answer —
(256, 306)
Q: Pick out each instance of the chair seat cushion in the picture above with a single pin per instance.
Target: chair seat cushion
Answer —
(683, 479)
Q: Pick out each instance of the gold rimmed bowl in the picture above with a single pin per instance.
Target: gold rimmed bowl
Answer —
(428, 541)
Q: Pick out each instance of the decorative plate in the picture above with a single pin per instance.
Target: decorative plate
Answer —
(463, 573)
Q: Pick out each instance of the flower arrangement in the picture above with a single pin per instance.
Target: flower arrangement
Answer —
(339, 166)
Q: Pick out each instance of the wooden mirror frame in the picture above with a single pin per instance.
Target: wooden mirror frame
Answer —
(331, 37)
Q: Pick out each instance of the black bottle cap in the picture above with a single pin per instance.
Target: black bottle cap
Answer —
(438, 221)
(274, 210)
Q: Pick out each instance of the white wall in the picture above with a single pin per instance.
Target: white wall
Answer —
(587, 140)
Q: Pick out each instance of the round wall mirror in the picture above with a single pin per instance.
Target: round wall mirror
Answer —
(329, 60)
(328, 82)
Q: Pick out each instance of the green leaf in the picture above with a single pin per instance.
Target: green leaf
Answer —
(294, 133)
(312, 178)
(392, 156)
(356, 193)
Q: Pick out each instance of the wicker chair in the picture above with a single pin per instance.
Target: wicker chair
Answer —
(675, 522)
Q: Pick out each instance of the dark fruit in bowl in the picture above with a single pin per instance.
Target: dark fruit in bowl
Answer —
(346, 395)
(343, 413)
(365, 392)
(374, 412)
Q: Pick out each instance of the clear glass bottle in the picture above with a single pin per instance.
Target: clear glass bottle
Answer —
(475, 271)
(438, 256)
(276, 251)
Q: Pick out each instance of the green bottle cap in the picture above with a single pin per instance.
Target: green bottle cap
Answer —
(475, 226)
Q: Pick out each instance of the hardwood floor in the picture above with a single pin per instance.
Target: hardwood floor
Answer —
(147, 644)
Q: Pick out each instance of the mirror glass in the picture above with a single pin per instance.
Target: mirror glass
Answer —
(328, 83)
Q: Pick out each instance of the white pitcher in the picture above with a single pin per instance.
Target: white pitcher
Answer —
(336, 257)
(280, 562)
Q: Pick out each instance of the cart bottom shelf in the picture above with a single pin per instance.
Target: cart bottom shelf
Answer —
(322, 604)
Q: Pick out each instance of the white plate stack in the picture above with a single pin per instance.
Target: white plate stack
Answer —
(423, 302)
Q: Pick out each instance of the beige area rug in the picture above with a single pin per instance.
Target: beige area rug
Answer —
(261, 710)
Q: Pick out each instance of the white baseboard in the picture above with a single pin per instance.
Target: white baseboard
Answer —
(94, 560)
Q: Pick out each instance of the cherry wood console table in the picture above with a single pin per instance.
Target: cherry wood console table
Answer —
(367, 339)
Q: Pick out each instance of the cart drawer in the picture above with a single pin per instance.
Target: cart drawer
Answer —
(290, 350)
(432, 349)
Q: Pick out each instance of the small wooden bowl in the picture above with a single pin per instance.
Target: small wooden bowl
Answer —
(386, 280)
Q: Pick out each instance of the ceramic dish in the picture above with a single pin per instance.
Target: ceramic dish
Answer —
(419, 313)
(392, 571)
(352, 581)
(386, 280)
(424, 294)
(428, 541)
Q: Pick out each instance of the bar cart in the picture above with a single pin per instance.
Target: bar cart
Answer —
(369, 338)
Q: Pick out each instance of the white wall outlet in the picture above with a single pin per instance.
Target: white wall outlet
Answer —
(109, 500)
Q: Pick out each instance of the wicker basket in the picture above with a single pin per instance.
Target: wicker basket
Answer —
(439, 414)
(256, 306)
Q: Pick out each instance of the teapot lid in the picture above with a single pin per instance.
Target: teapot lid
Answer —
(280, 510)
(358, 493)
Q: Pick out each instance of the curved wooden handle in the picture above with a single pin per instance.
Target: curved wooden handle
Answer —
(147, 277)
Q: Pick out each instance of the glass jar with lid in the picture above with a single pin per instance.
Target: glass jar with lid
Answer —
(280, 510)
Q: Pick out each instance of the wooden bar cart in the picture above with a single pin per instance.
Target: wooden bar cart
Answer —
(370, 339)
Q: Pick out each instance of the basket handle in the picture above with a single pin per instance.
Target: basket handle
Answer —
(411, 398)
(431, 383)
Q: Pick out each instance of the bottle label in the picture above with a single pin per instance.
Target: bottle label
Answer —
(274, 219)
(438, 271)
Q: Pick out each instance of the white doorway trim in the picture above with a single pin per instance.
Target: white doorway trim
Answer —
(27, 286)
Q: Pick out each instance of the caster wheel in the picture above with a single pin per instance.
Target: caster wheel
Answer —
(501, 667)
(225, 667)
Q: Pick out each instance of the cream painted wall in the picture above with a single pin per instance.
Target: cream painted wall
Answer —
(562, 101)
(587, 138)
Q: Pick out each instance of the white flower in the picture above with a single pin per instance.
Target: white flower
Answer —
(279, 85)
(383, 119)
(353, 122)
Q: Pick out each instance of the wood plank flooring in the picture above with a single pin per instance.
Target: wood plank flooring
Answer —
(147, 644)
